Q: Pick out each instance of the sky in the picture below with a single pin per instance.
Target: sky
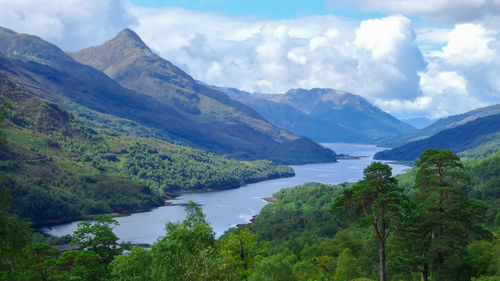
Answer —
(411, 58)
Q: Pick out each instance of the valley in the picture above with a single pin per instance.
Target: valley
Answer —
(172, 143)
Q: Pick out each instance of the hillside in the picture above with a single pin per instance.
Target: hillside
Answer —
(194, 115)
(476, 138)
(58, 169)
(325, 115)
(439, 125)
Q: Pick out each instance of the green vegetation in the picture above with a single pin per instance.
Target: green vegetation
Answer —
(475, 139)
(375, 200)
(149, 96)
(59, 169)
(436, 233)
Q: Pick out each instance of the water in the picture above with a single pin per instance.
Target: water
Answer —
(225, 209)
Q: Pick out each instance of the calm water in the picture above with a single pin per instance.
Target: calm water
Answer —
(225, 209)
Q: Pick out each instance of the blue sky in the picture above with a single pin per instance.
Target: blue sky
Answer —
(276, 9)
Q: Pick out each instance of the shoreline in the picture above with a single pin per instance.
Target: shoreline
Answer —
(168, 196)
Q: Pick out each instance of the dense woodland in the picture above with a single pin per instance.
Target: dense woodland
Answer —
(439, 221)
(58, 168)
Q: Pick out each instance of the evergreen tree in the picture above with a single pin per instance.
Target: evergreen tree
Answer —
(445, 221)
(375, 200)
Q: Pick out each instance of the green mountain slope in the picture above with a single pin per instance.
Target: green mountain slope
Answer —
(481, 135)
(198, 120)
(485, 176)
(439, 125)
(324, 115)
(58, 168)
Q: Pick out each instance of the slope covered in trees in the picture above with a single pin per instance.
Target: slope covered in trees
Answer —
(298, 237)
(58, 168)
(478, 138)
(440, 125)
(179, 110)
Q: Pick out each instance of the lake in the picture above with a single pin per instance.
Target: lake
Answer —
(227, 208)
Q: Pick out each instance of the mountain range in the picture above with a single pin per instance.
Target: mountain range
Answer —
(474, 139)
(440, 125)
(123, 79)
(325, 115)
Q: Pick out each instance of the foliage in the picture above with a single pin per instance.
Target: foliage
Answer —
(98, 237)
(299, 214)
(485, 180)
(481, 133)
(59, 168)
(377, 201)
(132, 266)
(347, 268)
(242, 248)
(273, 268)
(440, 222)
(15, 234)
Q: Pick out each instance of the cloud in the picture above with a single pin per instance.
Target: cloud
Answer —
(425, 71)
(436, 11)
(70, 24)
(461, 75)
(277, 55)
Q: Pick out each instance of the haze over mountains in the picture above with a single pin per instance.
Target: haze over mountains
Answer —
(439, 125)
(325, 115)
(152, 93)
(478, 138)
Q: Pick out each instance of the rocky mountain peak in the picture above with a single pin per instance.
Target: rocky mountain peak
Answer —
(128, 39)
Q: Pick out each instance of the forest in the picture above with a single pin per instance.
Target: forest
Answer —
(439, 221)
(58, 168)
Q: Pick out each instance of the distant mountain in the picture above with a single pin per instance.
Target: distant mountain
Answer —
(419, 122)
(325, 115)
(160, 96)
(439, 125)
(479, 134)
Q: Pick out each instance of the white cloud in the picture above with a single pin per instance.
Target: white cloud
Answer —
(375, 58)
(437, 11)
(433, 70)
(393, 57)
(463, 74)
(468, 45)
(71, 24)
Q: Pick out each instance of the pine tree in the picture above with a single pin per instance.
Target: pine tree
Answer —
(375, 200)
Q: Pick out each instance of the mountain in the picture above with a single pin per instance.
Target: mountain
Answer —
(58, 169)
(419, 122)
(479, 138)
(441, 124)
(325, 115)
(161, 97)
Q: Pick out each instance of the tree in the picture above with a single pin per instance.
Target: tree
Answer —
(40, 261)
(347, 268)
(448, 220)
(4, 109)
(132, 266)
(99, 238)
(375, 200)
(273, 268)
(15, 234)
(242, 248)
(81, 265)
(187, 251)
